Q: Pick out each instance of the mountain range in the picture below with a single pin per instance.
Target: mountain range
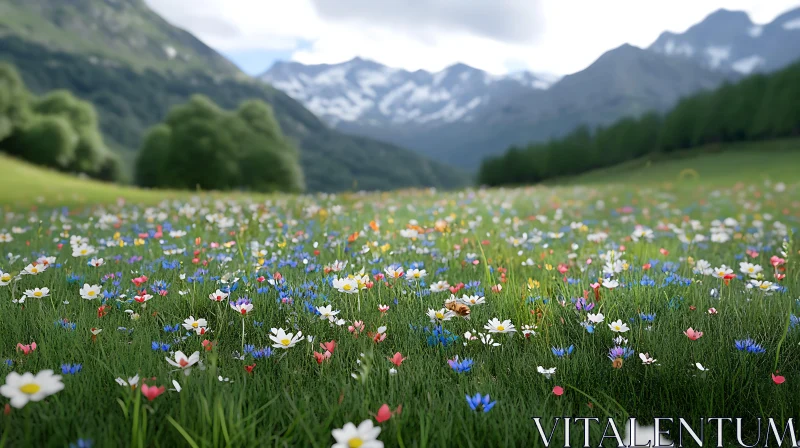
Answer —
(461, 115)
(134, 66)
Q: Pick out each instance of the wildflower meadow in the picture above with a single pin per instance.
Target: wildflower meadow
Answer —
(409, 319)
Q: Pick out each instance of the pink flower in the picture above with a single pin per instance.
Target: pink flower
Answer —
(558, 391)
(778, 379)
(27, 349)
(383, 308)
(152, 392)
(384, 413)
(692, 334)
(139, 280)
(776, 261)
(356, 328)
(712, 311)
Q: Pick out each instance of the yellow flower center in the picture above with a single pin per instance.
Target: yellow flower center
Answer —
(355, 442)
(347, 287)
(285, 342)
(34, 270)
(763, 286)
(501, 328)
(90, 293)
(195, 324)
(83, 251)
(37, 293)
(30, 388)
(439, 315)
(6, 278)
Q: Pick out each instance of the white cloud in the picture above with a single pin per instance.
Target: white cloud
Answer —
(568, 34)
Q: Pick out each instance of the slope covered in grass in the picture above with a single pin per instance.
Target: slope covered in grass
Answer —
(774, 160)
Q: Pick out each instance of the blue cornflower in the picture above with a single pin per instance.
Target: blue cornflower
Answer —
(65, 324)
(794, 321)
(172, 329)
(478, 403)
(582, 305)
(163, 346)
(647, 317)
(588, 326)
(749, 345)
(81, 443)
(71, 369)
(262, 353)
(460, 366)
(562, 352)
(439, 335)
(74, 278)
(620, 352)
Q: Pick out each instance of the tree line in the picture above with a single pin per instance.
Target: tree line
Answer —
(758, 107)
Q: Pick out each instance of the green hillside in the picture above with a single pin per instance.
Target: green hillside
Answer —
(112, 32)
(130, 97)
(23, 184)
(716, 164)
(756, 109)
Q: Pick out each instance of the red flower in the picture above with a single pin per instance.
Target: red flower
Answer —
(321, 357)
(250, 368)
(328, 346)
(397, 359)
(778, 379)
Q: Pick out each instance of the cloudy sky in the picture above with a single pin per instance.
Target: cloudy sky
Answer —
(553, 36)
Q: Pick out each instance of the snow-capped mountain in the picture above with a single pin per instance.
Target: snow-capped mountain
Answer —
(375, 95)
(729, 41)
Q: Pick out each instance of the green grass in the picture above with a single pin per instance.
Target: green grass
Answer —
(775, 160)
(23, 184)
(290, 400)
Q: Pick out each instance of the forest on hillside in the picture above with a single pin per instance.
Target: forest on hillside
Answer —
(759, 107)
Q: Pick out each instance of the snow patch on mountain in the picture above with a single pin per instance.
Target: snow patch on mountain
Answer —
(793, 24)
(368, 92)
(717, 54)
(673, 48)
(746, 65)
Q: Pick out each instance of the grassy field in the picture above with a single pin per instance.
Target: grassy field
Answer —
(583, 301)
(771, 160)
(23, 184)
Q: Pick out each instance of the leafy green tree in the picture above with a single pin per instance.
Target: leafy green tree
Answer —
(151, 163)
(203, 146)
(48, 141)
(14, 99)
(89, 150)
